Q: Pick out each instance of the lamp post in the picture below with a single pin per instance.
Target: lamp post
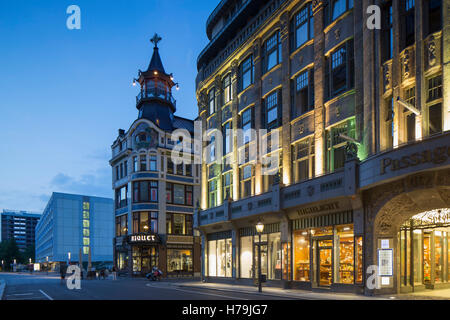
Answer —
(259, 229)
(68, 255)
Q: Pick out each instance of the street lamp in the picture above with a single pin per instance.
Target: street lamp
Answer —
(68, 255)
(259, 229)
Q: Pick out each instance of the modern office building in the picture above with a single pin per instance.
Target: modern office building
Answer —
(73, 224)
(362, 117)
(155, 195)
(18, 225)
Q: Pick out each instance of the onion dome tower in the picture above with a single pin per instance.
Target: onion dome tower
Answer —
(155, 101)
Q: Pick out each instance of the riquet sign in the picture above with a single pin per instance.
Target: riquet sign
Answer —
(144, 238)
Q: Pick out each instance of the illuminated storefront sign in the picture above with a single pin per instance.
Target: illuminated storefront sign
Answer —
(144, 238)
(437, 156)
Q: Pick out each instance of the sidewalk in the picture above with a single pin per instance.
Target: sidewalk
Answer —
(271, 291)
(2, 288)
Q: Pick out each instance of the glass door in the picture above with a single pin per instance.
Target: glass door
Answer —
(325, 262)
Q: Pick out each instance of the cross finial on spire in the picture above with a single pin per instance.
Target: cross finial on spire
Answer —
(155, 40)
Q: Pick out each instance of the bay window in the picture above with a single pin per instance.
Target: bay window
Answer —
(303, 94)
(302, 27)
(212, 101)
(339, 70)
(335, 8)
(145, 191)
(153, 165)
(179, 224)
(121, 197)
(247, 73)
(272, 52)
(179, 194)
(336, 144)
(122, 225)
(304, 160)
(272, 106)
(145, 222)
(227, 89)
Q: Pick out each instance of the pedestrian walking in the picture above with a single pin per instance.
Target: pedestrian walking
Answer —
(114, 272)
(62, 271)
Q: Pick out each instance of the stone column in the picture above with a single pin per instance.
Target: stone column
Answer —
(420, 79)
(202, 105)
(257, 109)
(235, 125)
(219, 151)
(366, 58)
(286, 100)
(319, 85)
(446, 63)
(396, 69)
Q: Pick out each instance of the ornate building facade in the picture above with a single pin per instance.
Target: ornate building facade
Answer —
(154, 196)
(362, 117)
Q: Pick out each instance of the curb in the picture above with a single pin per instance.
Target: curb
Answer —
(279, 295)
(2, 288)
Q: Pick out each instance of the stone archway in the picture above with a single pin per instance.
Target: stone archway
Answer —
(389, 205)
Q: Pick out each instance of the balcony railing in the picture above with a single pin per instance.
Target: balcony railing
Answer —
(156, 93)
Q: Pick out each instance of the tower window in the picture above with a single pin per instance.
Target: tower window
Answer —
(212, 101)
(303, 95)
(227, 89)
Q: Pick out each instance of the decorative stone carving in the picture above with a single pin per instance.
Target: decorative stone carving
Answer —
(406, 65)
(432, 52)
(316, 5)
(218, 85)
(338, 111)
(387, 78)
(284, 25)
(351, 151)
(302, 129)
(300, 59)
(256, 49)
(234, 70)
(337, 33)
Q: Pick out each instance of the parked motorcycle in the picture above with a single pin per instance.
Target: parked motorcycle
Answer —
(154, 275)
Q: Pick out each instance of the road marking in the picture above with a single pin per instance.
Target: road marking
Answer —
(191, 291)
(46, 295)
(21, 294)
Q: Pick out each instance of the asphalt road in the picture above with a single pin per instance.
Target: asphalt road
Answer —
(43, 287)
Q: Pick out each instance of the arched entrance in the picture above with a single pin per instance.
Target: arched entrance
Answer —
(407, 223)
(424, 242)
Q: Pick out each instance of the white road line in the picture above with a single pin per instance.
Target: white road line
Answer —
(46, 295)
(21, 294)
(204, 293)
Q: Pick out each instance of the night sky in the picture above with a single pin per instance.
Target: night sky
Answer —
(65, 93)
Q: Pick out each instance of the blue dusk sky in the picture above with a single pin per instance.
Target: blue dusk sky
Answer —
(65, 93)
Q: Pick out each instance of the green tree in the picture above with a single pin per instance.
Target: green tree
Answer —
(27, 254)
(8, 252)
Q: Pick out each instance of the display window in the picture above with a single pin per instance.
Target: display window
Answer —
(220, 258)
(345, 254)
(144, 259)
(331, 254)
(271, 256)
(179, 261)
(301, 255)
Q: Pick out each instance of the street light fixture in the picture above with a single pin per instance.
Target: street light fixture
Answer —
(68, 255)
(259, 229)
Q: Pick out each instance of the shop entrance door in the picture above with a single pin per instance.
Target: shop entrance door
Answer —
(325, 263)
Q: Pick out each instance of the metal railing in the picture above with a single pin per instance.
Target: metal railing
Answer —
(156, 93)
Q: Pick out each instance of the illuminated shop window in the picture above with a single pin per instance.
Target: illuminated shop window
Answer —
(220, 258)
